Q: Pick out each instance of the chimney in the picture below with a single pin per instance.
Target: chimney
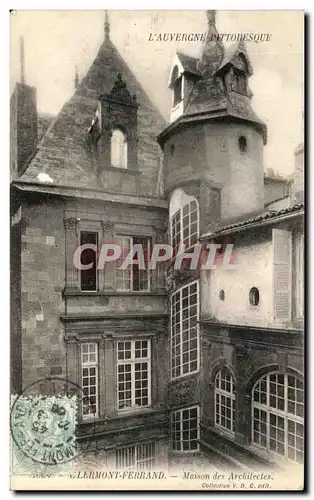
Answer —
(297, 187)
(23, 121)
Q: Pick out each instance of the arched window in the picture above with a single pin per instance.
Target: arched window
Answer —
(277, 414)
(185, 225)
(119, 149)
(224, 400)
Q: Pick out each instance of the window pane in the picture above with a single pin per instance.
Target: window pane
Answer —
(133, 373)
(277, 394)
(184, 225)
(224, 395)
(89, 379)
(184, 331)
(184, 436)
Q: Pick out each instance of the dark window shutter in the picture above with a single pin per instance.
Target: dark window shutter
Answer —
(282, 275)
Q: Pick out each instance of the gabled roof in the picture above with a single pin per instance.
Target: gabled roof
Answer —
(231, 52)
(258, 220)
(189, 63)
(64, 156)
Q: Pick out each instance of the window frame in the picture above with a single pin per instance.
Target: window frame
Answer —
(180, 411)
(228, 395)
(137, 461)
(87, 365)
(240, 81)
(284, 414)
(177, 91)
(130, 267)
(182, 227)
(172, 346)
(83, 230)
(254, 297)
(133, 361)
(177, 86)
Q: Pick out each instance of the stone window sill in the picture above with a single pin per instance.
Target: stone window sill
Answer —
(123, 170)
(112, 293)
(124, 414)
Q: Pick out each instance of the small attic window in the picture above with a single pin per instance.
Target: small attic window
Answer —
(176, 85)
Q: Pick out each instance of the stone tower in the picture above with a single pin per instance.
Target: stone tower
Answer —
(213, 146)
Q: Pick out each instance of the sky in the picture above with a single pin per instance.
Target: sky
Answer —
(57, 41)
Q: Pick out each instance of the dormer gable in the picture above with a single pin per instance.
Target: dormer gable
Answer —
(113, 132)
(183, 74)
(236, 69)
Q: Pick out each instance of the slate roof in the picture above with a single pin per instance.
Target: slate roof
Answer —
(64, 154)
(231, 51)
(256, 220)
(209, 98)
(189, 63)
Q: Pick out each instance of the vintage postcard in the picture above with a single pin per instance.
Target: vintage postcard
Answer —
(157, 250)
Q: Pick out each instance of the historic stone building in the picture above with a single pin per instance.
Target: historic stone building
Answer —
(174, 364)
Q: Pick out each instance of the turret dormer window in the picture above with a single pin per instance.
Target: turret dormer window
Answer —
(240, 74)
(119, 149)
(239, 82)
(176, 84)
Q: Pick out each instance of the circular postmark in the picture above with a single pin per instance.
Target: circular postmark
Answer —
(43, 420)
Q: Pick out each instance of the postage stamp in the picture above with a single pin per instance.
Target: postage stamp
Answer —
(43, 425)
(44, 428)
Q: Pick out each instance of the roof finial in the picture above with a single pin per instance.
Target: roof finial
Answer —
(22, 61)
(211, 17)
(76, 78)
(107, 26)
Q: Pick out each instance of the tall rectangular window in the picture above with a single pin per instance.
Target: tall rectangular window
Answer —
(135, 277)
(89, 358)
(138, 457)
(224, 400)
(133, 374)
(185, 225)
(185, 429)
(184, 331)
(88, 277)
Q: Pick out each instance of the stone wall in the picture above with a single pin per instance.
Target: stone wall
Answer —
(42, 283)
(210, 152)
